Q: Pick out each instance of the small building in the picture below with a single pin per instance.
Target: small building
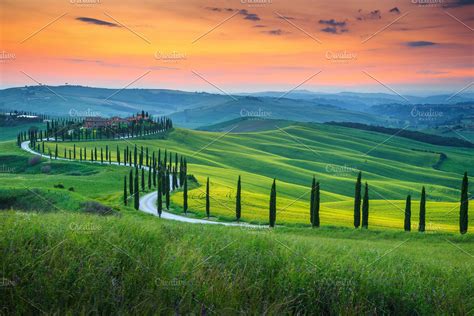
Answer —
(95, 122)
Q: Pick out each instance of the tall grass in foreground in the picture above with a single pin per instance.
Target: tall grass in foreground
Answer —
(71, 263)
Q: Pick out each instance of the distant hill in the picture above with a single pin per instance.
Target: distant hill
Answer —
(64, 100)
(270, 108)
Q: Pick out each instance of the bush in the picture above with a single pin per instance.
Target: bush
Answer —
(71, 189)
(46, 169)
(33, 161)
(97, 208)
(59, 186)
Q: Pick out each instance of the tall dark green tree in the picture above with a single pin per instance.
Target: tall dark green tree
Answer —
(143, 179)
(464, 208)
(185, 196)
(357, 200)
(125, 190)
(316, 205)
(238, 202)
(272, 211)
(159, 195)
(365, 208)
(168, 189)
(311, 201)
(407, 224)
(130, 182)
(208, 202)
(136, 191)
(149, 177)
(421, 225)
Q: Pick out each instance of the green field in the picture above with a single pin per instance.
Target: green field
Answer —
(393, 167)
(61, 257)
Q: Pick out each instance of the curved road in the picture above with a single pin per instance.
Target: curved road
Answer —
(148, 201)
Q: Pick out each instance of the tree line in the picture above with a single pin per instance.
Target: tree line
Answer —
(73, 129)
(361, 205)
(164, 175)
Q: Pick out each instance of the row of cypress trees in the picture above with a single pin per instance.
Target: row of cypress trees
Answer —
(361, 205)
(74, 129)
(161, 174)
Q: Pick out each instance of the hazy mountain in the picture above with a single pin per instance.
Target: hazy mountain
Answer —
(270, 108)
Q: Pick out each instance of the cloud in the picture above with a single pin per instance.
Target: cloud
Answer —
(333, 26)
(276, 32)
(420, 44)
(249, 16)
(458, 3)
(215, 9)
(332, 22)
(372, 15)
(96, 21)
(395, 10)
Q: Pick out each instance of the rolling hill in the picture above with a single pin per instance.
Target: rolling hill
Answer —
(393, 167)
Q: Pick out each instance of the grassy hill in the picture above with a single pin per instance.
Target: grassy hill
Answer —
(137, 264)
(393, 167)
(62, 258)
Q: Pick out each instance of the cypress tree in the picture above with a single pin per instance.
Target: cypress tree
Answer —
(316, 206)
(130, 182)
(185, 196)
(272, 217)
(421, 226)
(56, 152)
(101, 155)
(365, 208)
(407, 224)
(74, 151)
(168, 187)
(149, 177)
(463, 211)
(357, 201)
(136, 194)
(118, 155)
(159, 195)
(311, 201)
(208, 206)
(125, 190)
(238, 204)
(135, 155)
(143, 179)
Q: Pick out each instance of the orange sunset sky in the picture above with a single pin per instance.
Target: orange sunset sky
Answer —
(240, 46)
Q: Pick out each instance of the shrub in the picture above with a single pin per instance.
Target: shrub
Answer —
(46, 169)
(71, 189)
(59, 186)
(33, 161)
(97, 208)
